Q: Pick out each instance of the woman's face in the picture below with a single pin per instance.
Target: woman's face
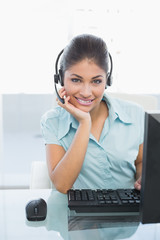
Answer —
(85, 83)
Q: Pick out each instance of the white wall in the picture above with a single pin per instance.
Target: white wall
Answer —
(33, 32)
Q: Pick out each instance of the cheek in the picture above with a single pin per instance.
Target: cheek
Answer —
(99, 92)
(70, 89)
(67, 87)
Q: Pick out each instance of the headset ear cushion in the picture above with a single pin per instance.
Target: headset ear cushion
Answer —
(109, 80)
(61, 77)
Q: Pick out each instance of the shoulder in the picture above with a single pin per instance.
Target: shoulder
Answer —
(133, 110)
(53, 116)
(126, 109)
(54, 125)
(52, 113)
(127, 106)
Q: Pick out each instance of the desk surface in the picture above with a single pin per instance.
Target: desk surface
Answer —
(57, 225)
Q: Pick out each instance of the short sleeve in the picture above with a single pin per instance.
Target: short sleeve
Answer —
(49, 128)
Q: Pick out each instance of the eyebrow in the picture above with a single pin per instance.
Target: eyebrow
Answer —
(82, 77)
(97, 76)
(76, 75)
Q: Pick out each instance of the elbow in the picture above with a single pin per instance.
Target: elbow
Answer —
(59, 184)
(62, 189)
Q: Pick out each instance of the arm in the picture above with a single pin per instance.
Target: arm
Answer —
(138, 164)
(64, 167)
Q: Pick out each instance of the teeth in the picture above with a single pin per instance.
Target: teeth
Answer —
(82, 101)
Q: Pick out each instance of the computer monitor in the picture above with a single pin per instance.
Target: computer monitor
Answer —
(150, 191)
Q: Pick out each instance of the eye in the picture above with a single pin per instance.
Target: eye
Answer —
(97, 81)
(75, 80)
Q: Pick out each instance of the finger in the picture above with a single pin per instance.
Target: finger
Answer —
(66, 99)
(61, 90)
(62, 93)
(137, 185)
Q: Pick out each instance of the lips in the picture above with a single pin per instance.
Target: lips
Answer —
(85, 102)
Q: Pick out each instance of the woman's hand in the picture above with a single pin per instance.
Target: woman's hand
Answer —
(77, 113)
(137, 184)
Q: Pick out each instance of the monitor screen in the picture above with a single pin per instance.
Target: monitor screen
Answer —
(150, 191)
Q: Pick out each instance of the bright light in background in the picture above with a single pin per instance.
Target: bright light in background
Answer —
(34, 31)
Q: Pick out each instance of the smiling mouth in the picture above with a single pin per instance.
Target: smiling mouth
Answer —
(84, 102)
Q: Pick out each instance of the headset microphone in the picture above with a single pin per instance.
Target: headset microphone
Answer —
(60, 99)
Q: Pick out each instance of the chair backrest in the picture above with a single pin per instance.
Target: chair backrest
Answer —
(39, 178)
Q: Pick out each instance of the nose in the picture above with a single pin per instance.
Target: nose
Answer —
(86, 91)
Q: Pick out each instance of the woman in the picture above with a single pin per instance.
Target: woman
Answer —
(92, 140)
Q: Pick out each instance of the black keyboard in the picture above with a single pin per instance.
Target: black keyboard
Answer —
(104, 201)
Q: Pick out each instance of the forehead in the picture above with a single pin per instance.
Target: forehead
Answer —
(85, 66)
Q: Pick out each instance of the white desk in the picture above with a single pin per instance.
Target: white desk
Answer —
(14, 226)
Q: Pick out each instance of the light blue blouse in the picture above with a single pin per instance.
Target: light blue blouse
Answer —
(108, 163)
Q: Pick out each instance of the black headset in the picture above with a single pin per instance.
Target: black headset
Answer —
(58, 76)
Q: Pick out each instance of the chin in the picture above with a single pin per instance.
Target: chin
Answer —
(84, 108)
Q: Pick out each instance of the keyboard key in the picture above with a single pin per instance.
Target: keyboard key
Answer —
(84, 195)
(115, 202)
(90, 195)
(71, 196)
(109, 202)
(102, 202)
(107, 197)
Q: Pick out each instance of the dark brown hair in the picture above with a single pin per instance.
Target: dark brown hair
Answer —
(85, 46)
